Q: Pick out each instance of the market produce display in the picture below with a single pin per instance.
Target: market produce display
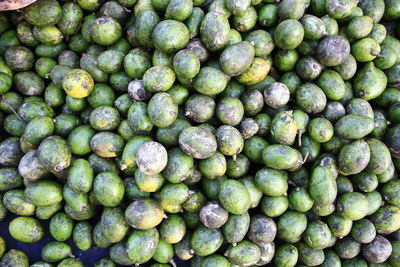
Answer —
(223, 133)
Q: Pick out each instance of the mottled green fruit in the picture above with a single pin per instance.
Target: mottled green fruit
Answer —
(284, 128)
(162, 110)
(332, 84)
(61, 226)
(43, 13)
(310, 256)
(26, 229)
(311, 98)
(214, 31)
(230, 111)
(106, 31)
(70, 262)
(367, 76)
(108, 189)
(201, 147)
(234, 197)
(286, 255)
(353, 205)
(44, 193)
(291, 225)
(333, 50)
(16, 202)
(322, 186)
(79, 139)
(55, 251)
(340, 9)
(289, 34)
(206, 241)
(245, 253)
(354, 157)
(15, 257)
(186, 64)
(317, 235)
(280, 157)
(210, 81)
(170, 36)
(237, 58)
(113, 224)
(236, 227)
(172, 229)
(107, 144)
(271, 182)
(354, 126)
(386, 219)
(82, 235)
(158, 79)
(134, 245)
(144, 214)
(29, 110)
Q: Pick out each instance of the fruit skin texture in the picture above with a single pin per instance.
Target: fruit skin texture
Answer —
(26, 229)
(214, 31)
(43, 13)
(234, 197)
(237, 58)
(106, 31)
(78, 83)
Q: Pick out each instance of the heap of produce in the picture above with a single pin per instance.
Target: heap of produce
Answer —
(217, 133)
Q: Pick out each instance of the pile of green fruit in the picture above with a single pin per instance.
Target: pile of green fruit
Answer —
(225, 132)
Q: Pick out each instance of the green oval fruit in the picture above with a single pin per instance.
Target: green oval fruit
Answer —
(205, 241)
(15, 257)
(236, 227)
(113, 224)
(172, 229)
(386, 219)
(44, 193)
(323, 187)
(108, 189)
(162, 110)
(214, 31)
(289, 34)
(274, 206)
(317, 235)
(106, 31)
(43, 13)
(271, 182)
(333, 50)
(353, 205)
(82, 235)
(107, 144)
(210, 81)
(79, 139)
(286, 255)
(245, 253)
(170, 36)
(144, 214)
(26, 229)
(311, 98)
(229, 58)
(354, 157)
(134, 245)
(280, 157)
(202, 147)
(291, 224)
(367, 76)
(234, 197)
